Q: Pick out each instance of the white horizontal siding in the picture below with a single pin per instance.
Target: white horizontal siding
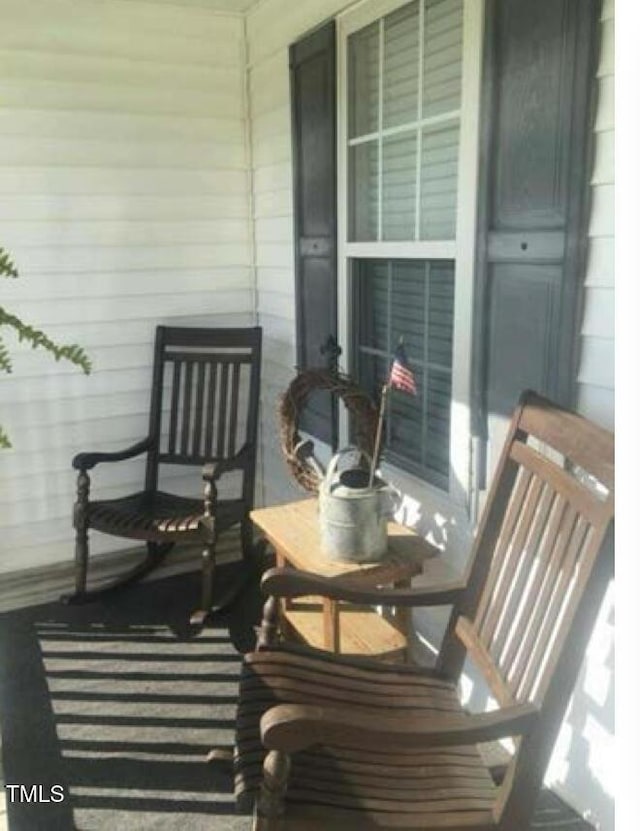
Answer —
(603, 167)
(124, 199)
(597, 333)
(101, 96)
(125, 182)
(113, 29)
(59, 234)
(268, 83)
(70, 123)
(590, 717)
(93, 259)
(597, 363)
(105, 284)
(600, 262)
(223, 6)
(599, 313)
(274, 24)
(112, 208)
(25, 66)
(279, 281)
(273, 203)
(31, 150)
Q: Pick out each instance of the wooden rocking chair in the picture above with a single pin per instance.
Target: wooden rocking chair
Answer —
(204, 412)
(338, 742)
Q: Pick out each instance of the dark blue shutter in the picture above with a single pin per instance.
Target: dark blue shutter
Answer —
(539, 72)
(313, 108)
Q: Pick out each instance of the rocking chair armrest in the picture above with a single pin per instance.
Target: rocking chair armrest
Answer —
(293, 727)
(288, 582)
(212, 471)
(85, 461)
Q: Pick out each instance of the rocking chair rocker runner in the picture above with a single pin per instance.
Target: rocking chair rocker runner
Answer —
(338, 742)
(204, 411)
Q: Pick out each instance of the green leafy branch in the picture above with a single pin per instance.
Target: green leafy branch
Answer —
(7, 266)
(36, 337)
(70, 352)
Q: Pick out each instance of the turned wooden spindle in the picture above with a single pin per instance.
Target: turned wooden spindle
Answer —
(208, 553)
(268, 632)
(80, 522)
(275, 776)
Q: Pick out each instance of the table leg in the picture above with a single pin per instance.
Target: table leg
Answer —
(331, 624)
(281, 562)
(403, 616)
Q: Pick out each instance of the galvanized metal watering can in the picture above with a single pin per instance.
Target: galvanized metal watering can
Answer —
(353, 513)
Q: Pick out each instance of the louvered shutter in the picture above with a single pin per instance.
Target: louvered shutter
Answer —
(313, 109)
(541, 68)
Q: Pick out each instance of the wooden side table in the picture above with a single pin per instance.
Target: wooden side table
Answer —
(293, 531)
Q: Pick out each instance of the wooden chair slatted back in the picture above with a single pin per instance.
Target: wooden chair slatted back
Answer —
(537, 576)
(204, 400)
(196, 432)
(545, 552)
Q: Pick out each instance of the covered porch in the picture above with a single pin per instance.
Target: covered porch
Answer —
(150, 175)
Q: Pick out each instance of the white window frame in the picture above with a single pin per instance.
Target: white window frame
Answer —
(461, 251)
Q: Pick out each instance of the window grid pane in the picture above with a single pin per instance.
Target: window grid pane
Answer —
(442, 68)
(363, 208)
(400, 62)
(439, 182)
(398, 187)
(364, 81)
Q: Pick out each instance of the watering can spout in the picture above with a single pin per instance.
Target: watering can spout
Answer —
(304, 451)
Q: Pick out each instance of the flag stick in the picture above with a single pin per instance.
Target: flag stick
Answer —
(376, 448)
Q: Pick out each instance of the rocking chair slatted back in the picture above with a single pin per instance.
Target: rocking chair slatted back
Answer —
(203, 380)
(536, 581)
(219, 380)
(551, 532)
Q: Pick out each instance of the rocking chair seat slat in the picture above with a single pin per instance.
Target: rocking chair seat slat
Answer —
(157, 515)
(414, 786)
(340, 819)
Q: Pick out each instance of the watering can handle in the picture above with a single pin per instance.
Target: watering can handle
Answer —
(332, 467)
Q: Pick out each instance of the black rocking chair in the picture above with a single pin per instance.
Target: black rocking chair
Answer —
(204, 412)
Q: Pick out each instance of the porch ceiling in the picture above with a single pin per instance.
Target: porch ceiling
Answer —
(229, 6)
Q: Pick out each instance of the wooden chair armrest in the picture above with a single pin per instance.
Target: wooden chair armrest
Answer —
(293, 727)
(287, 582)
(212, 471)
(85, 461)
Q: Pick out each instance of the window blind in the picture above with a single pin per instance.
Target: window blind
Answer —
(412, 299)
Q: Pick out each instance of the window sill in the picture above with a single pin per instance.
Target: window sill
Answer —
(413, 486)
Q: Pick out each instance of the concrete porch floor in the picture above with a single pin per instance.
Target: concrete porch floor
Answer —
(26, 591)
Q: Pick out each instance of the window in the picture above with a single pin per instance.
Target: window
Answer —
(402, 138)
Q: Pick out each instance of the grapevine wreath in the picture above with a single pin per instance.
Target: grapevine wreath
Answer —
(358, 403)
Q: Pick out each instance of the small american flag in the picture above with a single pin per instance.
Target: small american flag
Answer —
(400, 376)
